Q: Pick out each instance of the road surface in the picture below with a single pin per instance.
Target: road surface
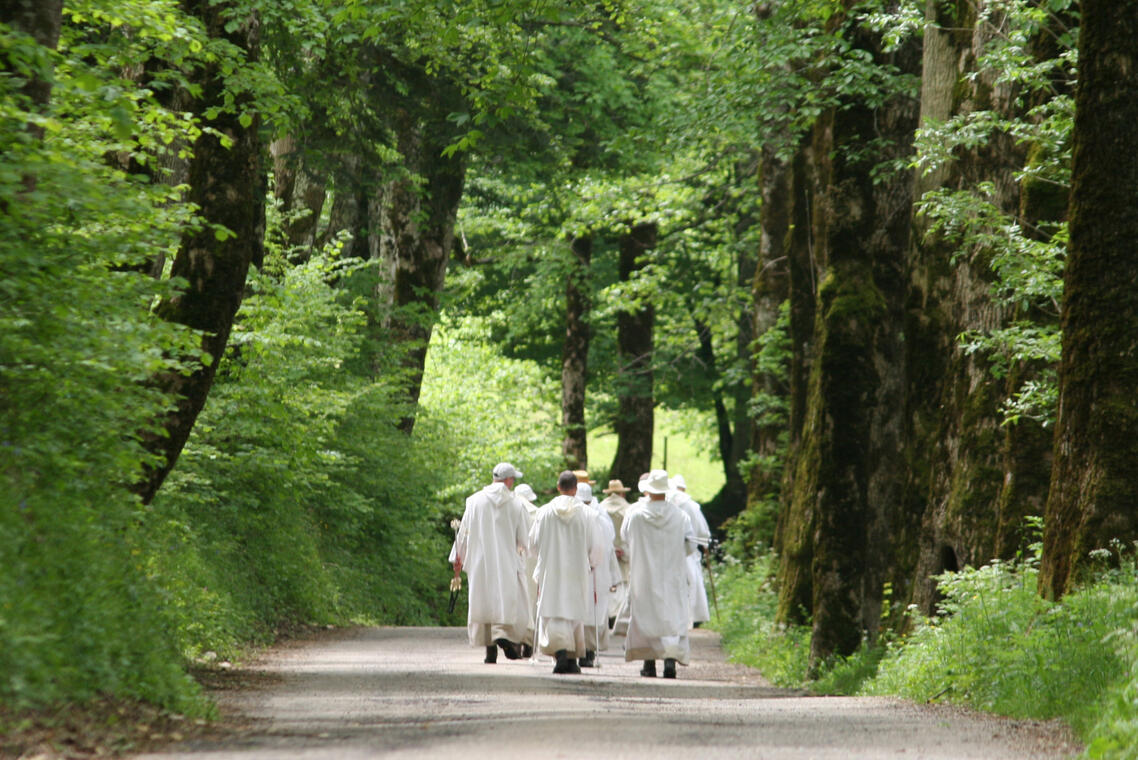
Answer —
(424, 693)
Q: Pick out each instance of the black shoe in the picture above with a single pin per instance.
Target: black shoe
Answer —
(491, 655)
(527, 651)
(565, 664)
(669, 668)
(697, 624)
(649, 669)
(612, 622)
(589, 660)
(509, 648)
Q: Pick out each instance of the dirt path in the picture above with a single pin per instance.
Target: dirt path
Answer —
(422, 692)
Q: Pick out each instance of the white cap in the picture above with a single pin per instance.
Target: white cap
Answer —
(656, 482)
(504, 470)
(584, 492)
(525, 492)
(679, 482)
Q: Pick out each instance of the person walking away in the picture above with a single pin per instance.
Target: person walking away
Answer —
(659, 537)
(528, 499)
(616, 506)
(601, 580)
(568, 546)
(697, 591)
(489, 545)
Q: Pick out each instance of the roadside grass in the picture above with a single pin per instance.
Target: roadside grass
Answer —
(996, 646)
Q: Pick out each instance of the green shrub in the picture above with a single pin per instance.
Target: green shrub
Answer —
(747, 605)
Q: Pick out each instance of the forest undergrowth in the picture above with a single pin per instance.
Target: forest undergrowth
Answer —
(994, 645)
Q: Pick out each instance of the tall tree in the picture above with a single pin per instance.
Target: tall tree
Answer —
(1094, 484)
(575, 354)
(635, 421)
(227, 183)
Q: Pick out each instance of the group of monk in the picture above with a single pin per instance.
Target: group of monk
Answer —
(565, 577)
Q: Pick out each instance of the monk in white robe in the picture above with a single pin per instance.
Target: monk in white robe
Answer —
(568, 546)
(697, 591)
(602, 578)
(659, 537)
(528, 499)
(489, 545)
(616, 507)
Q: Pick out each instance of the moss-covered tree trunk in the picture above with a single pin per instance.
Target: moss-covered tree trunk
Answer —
(847, 477)
(635, 420)
(575, 354)
(1094, 480)
(770, 287)
(415, 215)
(974, 479)
(228, 186)
(42, 20)
(301, 195)
(793, 540)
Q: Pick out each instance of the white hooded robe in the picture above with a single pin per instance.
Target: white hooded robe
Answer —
(659, 537)
(697, 591)
(490, 542)
(568, 546)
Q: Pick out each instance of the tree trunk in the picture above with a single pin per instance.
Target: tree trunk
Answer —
(1094, 482)
(981, 478)
(847, 474)
(228, 185)
(634, 423)
(416, 220)
(770, 287)
(575, 355)
(42, 20)
(301, 196)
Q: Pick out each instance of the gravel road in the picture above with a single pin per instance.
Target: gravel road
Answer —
(423, 692)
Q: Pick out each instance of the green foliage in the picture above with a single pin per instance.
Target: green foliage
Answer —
(747, 603)
(1025, 253)
(77, 341)
(997, 646)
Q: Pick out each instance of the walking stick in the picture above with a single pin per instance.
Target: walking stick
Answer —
(711, 577)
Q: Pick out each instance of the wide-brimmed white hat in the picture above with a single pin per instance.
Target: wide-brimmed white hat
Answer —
(526, 492)
(679, 482)
(656, 482)
(504, 470)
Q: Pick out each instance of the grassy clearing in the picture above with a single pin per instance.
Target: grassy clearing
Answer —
(680, 444)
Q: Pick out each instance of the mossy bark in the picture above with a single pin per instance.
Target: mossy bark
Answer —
(415, 214)
(228, 186)
(575, 355)
(1094, 480)
(635, 418)
(847, 474)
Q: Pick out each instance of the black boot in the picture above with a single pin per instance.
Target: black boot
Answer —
(491, 654)
(509, 648)
(527, 651)
(565, 663)
(649, 669)
(669, 668)
(589, 660)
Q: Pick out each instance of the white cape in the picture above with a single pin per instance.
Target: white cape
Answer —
(490, 543)
(659, 537)
(568, 546)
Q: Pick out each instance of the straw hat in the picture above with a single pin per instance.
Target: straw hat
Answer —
(583, 477)
(615, 486)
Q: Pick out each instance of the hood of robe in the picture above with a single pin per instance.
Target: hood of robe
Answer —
(614, 503)
(657, 511)
(498, 494)
(565, 506)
